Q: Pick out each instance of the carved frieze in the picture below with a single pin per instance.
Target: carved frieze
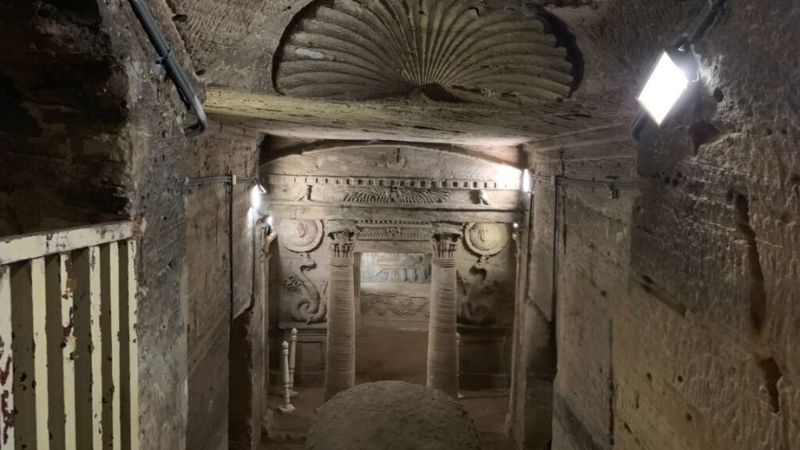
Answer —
(457, 50)
(394, 233)
(394, 194)
(395, 268)
(365, 182)
(300, 236)
(486, 239)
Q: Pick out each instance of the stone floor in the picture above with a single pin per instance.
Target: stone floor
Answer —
(407, 363)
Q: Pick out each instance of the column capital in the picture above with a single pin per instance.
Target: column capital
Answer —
(342, 239)
(445, 241)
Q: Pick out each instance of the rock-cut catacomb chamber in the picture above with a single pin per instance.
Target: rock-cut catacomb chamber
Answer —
(400, 224)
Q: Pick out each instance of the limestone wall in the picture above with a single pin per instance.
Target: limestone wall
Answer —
(90, 133)
(676, 307)
(218, 381)
(714, 254)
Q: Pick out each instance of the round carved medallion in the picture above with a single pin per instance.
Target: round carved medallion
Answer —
(300, 236)
(486, 239)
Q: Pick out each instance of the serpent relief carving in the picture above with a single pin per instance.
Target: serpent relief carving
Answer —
(477, 298)
(483, 294)
(312, 307)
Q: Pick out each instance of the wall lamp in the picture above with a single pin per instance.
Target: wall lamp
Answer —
(255, 195)
(675, 71)
(526, 180)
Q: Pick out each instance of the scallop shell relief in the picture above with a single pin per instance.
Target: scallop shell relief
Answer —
(448, 50)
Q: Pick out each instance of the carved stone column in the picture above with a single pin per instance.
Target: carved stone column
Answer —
(340, 359)
(442, 345)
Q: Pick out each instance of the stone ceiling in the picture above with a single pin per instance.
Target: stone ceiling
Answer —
(585, 55)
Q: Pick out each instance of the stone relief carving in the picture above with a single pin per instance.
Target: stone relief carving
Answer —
(403, 182)
(398, 305)
(394, 194)
(486, 239)
(441, 50)
(480, 291)
(397, 233)
(312, 307)
(395, 268)
(300, 236)
(478, 304)
(395, 161)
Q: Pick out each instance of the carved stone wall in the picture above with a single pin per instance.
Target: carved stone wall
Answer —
(394, 194)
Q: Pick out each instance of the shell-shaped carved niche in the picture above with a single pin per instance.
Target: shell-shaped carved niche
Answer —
(448, 50)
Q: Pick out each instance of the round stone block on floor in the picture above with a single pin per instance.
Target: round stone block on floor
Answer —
(392, 415)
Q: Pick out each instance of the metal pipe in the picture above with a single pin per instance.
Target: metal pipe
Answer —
(174, 70)
(705, 22)
(219, 179)
(232, 300)
(591, 184)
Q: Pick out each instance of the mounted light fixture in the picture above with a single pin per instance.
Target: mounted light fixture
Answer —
(255, 195)
(669, 80)
(675, 71)
(526, 180)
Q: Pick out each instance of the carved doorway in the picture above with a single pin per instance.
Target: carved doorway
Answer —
(393, 310)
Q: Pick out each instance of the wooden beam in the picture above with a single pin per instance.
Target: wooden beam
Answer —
(320, 212)
(38, 305)
(6, 367)
(129, 348)
(395, 120)
(68, 348)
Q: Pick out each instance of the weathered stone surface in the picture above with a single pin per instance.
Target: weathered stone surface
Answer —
(399, 120)
(93, 138)
(212, 341)
(392, 415)
(674, 309)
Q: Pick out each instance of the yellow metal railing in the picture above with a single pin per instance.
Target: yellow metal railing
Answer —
(68, 339)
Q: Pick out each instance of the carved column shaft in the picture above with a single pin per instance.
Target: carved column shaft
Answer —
(442, 339)
(340, 358)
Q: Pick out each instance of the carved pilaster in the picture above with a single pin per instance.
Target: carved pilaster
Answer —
(442, 336)
(340, 359)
